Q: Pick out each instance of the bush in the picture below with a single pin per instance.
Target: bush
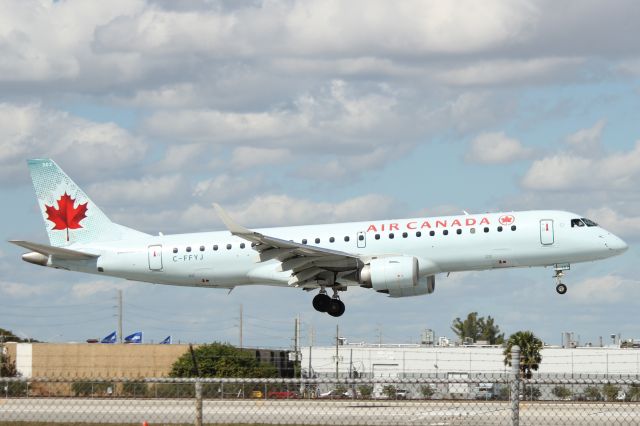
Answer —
(592, 393)
(15, 389)
(427, 391)
(610, 392)
(365, 391)
(135, 389)
(389, 391)
(92, 388)
(561, 392)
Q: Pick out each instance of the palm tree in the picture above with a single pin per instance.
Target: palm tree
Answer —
(530, 347)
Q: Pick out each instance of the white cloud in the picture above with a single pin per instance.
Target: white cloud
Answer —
(411, 28)
(87, 289)
(179, 157)
(584, 166)
(14, 289)
(509, 71)
(611, 220)
(146, 190)
(496, 148)
(587, 142)
(259, 211)
(88, 148)
(336, 116)
(283, 210)
(225, 187)
(605, 289)
(50, 41)
(246, 157)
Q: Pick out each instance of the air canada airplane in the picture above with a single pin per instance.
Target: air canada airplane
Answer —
(399, 257)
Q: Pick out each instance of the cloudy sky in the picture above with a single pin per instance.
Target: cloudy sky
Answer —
(296, 112)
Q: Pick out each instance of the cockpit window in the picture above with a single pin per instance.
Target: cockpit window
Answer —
(589, 222)
(576, 222)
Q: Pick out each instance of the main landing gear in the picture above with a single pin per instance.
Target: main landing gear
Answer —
(331, 305)
(559, 273)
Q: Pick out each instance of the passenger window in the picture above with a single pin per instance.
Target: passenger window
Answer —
(432, 233)
(188, 249)
(346, 238)
(253, 244)
(486, 229)
(215, 247)
(405, 235)
(201, 248)
(361, 237)
(472, 230)
(499, 228)
(175, 250)
(458, 231)
(317, 240)
(304, 241)
(228, 246)
(513, 227)
(445, 232)
(241, 245)
(331, 240)
(377, 236)
(418, 234)
(391, 236)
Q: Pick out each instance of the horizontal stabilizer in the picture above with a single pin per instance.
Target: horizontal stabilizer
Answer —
(57, 252)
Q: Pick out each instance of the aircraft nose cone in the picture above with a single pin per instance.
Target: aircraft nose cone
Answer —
(616, 244)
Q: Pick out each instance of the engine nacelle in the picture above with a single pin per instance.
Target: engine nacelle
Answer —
(397, 276)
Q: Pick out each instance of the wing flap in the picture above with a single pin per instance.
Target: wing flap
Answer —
(310, 266)
(57, 252)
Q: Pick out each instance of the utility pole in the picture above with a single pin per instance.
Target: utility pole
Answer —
(296, 343)
(337, 359)
(311, 331)
(120, 316)
(241, 326)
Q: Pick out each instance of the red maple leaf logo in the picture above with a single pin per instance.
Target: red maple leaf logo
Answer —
(506, 219)
(66, 216)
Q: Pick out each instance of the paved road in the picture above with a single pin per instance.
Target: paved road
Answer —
(332, 413)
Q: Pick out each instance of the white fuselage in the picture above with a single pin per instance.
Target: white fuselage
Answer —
(442, 244)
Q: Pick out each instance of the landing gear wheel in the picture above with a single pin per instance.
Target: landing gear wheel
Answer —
(336, 308)
(321, 302)
(561, 288)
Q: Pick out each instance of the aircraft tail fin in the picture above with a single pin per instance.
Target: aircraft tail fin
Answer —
(69, 215)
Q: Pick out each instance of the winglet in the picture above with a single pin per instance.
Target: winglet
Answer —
(232, 226)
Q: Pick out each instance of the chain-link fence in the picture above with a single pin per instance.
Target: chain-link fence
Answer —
(462, 398)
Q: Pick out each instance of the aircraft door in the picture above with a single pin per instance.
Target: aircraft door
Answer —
(155, 258)
(546, 232)
(362, 239)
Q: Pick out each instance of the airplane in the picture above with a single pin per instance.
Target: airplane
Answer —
(399, 257)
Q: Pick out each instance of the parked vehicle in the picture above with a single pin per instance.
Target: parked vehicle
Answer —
(335, 394)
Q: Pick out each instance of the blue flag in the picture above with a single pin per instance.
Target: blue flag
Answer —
(110, 338)
(134, 338)
(166, 341)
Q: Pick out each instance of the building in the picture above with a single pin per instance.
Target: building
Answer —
(404, 360)
(104, 361)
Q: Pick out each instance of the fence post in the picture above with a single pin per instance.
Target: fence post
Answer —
(515, 385)
(198, 421)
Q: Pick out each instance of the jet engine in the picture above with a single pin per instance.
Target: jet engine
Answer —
(396, 276)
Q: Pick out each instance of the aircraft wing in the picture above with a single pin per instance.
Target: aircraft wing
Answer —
(309, 265)
(59, 252)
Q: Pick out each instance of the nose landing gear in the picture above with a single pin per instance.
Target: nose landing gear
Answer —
(559, 273)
